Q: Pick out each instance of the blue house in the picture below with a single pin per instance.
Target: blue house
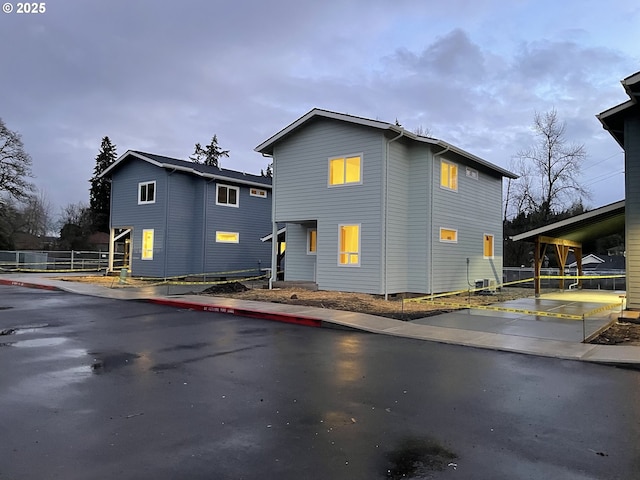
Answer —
(174, 217)
(371, 207)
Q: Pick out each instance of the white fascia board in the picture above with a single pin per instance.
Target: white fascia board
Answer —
(569, 221)
(267, 238)
(123, 156)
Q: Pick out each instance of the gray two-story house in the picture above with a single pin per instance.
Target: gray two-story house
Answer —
(370, 207)
(173, 217)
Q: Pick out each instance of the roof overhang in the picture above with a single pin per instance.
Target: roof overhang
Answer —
(594, 224)
(170, 166)
(267, 147)
(613, 118)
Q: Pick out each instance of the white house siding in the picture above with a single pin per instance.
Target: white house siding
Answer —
(398, 218)
(303, 194)
(632, 208)
(125, 212)
(474, 210)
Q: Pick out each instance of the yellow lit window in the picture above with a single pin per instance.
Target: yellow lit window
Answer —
(488, 246)
(448, 175)
(258, 192)
(349, 245)
(282, 247)
(344, 170)
(227, 237)
(147, 245)
(312, 241)
(448, 235)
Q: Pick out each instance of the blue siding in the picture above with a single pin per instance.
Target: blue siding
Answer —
(185, 218)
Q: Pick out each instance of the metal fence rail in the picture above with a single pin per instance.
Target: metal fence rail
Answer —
(594, 280)
(52, 261)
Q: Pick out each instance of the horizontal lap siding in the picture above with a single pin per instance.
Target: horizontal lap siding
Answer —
(474, 210)
(632, 208)
(298, 264)
(418, 228)
(184, 226)
(125, 212)
(398, 219)
(301, 174)
(251, 219)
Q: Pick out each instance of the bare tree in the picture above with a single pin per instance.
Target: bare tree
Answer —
(548, 170)
(422, 131)
(15, 165)
(36, 215)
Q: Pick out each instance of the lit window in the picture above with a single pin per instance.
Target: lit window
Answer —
(487, 246)
(227, 237)
(282, 247)
(227, 195)
(448, 235)
(448, 175)
(147, 244)
(257, 192)
(349, 253)
(312, 241)
(146, 192)
(345, 170)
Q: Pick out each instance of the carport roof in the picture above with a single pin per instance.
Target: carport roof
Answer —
(596, 223)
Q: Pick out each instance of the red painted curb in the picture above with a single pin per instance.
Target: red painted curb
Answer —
(278, 317)
(28, 285)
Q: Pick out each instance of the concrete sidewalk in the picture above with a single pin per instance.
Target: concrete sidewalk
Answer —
(466, 335)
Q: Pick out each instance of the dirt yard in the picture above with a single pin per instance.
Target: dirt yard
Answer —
(619, 333)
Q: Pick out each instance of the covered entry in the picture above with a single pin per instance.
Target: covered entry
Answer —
(571, 234)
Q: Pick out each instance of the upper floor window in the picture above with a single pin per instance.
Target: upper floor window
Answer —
(448, 175)
(227, 195)
(345, 170)
(257, 192)
(146, 192)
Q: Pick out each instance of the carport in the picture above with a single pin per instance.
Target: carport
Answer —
(570, 234)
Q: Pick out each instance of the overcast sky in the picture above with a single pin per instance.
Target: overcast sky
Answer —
(159, 76)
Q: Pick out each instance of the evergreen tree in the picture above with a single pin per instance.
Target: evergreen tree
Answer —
(209, 155)
(100, 191)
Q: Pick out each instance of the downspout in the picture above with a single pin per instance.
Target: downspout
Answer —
(274, 226)
(433, 188)
(385, 211)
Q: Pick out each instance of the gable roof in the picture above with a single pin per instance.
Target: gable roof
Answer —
(613, 119)
(593, 224)
(266, 147)
(185, 166)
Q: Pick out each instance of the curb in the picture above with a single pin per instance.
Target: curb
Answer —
(30, 285)
(278, 317)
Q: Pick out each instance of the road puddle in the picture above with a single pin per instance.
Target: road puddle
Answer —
(416, 457)
(40, 342)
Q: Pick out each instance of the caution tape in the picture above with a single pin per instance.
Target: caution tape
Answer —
(68, 270)
(578, 277)
(206, 274)
(428, 298)
(604, 308)
(508, 310)
(126, 284)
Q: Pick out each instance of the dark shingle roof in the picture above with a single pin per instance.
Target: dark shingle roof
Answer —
(195, 168)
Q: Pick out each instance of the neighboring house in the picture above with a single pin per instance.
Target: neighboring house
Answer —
(370, 207)
(623, 123)
(173, 217)
(593, 262)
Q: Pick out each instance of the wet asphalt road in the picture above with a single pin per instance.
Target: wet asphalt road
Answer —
(96, 389)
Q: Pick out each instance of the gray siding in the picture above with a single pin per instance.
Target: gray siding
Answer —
(125, 212)
(299, 264)
(398, 219)
(419, 226)
(184, 225)
(474, 210)
(632, 207)
(301, 175)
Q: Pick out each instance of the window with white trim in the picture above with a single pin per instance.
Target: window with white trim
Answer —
(227, 195)
(448, 235)
(146, 192)
(472, 173)
(312, 241)
(487, 246)
(257, 192)
(227, 237)
(346, 170)
(147, 244)
(349, 245)
(448, 175)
